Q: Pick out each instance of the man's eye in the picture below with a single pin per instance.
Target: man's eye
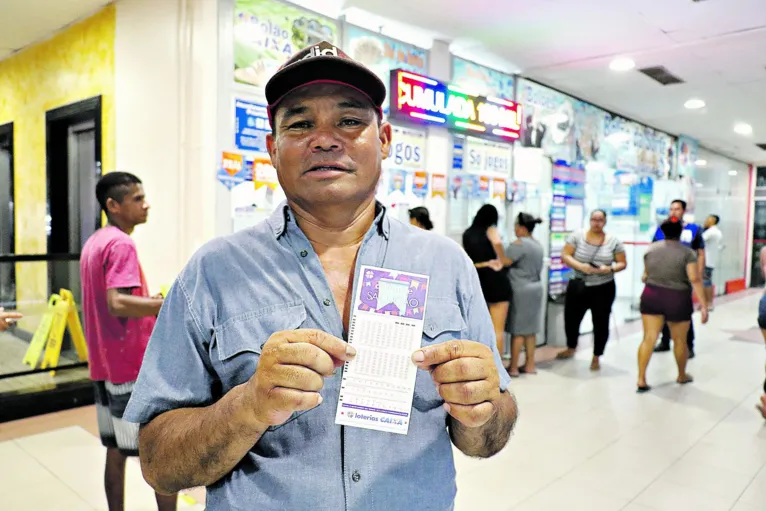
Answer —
(350, 122)
(300, 125)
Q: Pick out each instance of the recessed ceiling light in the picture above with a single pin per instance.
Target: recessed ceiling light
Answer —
(700, 163)
(743, 128)
(732, 172)
(622, 64)
(694, 104)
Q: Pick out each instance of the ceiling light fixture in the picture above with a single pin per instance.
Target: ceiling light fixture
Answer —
(743, 128)
(694, 104)
(732, 172)
(700, 163)
(622, 64)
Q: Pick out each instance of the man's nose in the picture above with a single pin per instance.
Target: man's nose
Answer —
(325, 139)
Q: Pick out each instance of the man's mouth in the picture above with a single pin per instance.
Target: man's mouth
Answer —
(328, 167)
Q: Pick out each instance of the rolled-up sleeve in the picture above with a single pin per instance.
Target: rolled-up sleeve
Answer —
(176, 370)
(480, 328)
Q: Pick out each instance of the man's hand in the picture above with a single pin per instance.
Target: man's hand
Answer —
(291, 373)
(495, 264)
(466, 377)
(8, 318)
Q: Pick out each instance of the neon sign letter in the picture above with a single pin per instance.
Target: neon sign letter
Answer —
(425, 100)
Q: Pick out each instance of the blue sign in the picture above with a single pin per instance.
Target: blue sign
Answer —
(252, 126)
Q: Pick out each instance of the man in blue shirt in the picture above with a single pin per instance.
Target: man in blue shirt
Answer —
(239, 386)
(692, 238)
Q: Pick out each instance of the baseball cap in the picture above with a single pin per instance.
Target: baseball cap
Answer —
(323, 62)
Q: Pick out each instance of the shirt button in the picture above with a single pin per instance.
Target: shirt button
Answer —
(304, 253)
(356, 476)
(327, 302)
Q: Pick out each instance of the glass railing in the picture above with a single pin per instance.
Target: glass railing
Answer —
(46, 347)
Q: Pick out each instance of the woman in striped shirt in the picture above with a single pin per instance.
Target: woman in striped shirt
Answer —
(595, 257)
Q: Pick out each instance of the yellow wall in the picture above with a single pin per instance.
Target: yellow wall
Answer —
(76, 64)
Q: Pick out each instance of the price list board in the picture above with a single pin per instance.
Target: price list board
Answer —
(567, 214)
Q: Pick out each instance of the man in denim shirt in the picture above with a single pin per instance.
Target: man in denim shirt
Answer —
(239, 386)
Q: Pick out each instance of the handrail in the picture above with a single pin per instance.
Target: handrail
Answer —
(26, 258)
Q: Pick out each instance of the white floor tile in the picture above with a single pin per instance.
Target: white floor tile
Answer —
(666, 496)
(563, 495)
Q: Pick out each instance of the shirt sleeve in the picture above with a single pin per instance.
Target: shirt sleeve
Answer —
(176, 370)
(691, 257)
(619, 248)
(698, 243)
(656, 235)
(515, 252)
(572, 239)
(122, 269)
(480, 328)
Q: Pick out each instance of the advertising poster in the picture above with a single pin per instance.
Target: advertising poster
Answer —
(397, 180)
(251, 126)
(232, 170)
(264, 174)
(480, 80)
(499, 189)
(482, 157)
(439, 185)
(645, 193)
(687, 155)
(408, 149)
(382, 54)
(481, 187)
(420, 184)
(589, 132)
(548, 121)
(267, 33)
(628, 145)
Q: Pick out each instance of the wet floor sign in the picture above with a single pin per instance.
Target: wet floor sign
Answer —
(45, 349)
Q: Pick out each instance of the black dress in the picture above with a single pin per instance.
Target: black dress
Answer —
(494, 284)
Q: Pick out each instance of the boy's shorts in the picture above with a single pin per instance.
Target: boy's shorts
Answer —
(111, 401)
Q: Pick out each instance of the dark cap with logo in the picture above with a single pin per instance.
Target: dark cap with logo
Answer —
(323, 62)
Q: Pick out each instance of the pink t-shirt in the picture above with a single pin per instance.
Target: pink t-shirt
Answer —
(116, 346)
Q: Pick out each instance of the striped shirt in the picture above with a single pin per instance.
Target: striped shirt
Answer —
(602, 256)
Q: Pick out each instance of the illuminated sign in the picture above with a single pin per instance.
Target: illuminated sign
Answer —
(419, 99)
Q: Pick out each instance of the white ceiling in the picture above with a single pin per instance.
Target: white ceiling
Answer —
(23, 22)
(717, 46)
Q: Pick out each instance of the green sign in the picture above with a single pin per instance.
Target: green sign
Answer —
(267, 33)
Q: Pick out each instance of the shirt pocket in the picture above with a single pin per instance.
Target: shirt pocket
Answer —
(240, 342)
(443, 322)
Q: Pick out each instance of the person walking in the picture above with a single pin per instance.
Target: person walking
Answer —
(691, 236)
(119, 316)
(712, 236)
(595, 257)
(483, 244)
(525, 256)
(240, 386)
(670, 275)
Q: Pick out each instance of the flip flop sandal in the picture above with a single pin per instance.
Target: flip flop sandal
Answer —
(643, 388)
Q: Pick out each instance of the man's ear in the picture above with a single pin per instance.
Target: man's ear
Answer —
(385, 134)
(271, 147)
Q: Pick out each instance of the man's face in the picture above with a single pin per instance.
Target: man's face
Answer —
(677, 210)
(134, 208)
(328, 145)
(709, 222)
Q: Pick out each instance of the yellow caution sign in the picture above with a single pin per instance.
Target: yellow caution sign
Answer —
(49, 336)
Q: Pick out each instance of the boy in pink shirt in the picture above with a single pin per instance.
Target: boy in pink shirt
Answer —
(119, 316)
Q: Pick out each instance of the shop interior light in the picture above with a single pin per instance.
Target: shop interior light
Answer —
(503, 133)
(418, 78)
(743, 128)
(700, 163)
(622, 64)
(469, 126)
(458, 90)
(732, 172)
(694, 104)
(502, 102)
(427, 117)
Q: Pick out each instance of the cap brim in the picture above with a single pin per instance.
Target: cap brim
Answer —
(325, 70)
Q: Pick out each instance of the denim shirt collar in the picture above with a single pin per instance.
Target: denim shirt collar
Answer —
(283, 216)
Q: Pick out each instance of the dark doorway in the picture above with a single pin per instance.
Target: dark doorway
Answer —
(7, 218)
(73, 148)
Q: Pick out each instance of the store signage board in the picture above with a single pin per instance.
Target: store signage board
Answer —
(251, 126)
(419, 99)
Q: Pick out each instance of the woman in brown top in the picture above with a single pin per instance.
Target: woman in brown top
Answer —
(670, 274)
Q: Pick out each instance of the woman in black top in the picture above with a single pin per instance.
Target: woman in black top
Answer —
(484, 246)
(419, 217)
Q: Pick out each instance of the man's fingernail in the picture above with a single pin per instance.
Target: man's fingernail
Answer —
(418, 357)
(350, 350)
(320, 400)
(446, 407)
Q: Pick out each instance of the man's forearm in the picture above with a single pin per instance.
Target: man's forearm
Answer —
(193, 447)
(129, 306)
(487, 440)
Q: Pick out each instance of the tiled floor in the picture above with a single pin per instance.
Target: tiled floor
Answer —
(583, 442)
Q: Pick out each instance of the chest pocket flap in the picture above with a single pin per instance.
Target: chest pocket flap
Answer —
(247, 333)
(443, 321)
